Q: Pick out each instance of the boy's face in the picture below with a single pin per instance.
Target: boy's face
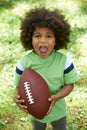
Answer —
(43, 41)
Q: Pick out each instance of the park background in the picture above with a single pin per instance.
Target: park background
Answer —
(11, 13)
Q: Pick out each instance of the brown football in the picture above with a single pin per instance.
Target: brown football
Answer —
(33, 89)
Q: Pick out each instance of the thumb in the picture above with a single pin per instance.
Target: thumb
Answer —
(52, 98)
(49, 99)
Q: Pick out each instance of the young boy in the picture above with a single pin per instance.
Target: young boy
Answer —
(44, 32)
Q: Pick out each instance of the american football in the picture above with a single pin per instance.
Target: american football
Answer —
(33, 89)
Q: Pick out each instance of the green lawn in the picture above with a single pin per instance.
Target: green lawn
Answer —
(11, 12)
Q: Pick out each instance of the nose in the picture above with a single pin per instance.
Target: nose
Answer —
(42, 39)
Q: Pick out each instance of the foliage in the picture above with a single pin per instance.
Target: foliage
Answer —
(11, 12)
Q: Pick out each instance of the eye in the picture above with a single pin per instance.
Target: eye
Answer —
(49, 36)
(36, 35)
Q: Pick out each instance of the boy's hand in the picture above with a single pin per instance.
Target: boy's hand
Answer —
(53, 100)
(61, 94)
(19, 102)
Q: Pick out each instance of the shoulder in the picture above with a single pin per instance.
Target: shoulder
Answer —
(22, 63)
(70, 72)
(68, 63)
(26, 56)
(69, 66)
(68, 60)
(61, 54)
(61, 57)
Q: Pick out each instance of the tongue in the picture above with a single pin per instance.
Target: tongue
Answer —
(43, 49)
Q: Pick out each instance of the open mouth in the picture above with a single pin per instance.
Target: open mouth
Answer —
(43, 49)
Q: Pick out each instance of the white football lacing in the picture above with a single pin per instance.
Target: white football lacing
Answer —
(28, 93)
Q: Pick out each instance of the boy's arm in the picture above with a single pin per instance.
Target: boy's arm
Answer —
(61, 94)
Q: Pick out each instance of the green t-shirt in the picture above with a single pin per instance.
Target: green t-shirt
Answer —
(56, 74)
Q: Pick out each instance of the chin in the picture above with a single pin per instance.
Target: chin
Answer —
(43, 55)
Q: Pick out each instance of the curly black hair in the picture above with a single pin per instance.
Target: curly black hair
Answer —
(42, 17)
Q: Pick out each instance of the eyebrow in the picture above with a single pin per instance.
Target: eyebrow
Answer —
(46, 33)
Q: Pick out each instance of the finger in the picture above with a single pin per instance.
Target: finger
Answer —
(17, 96)
(50, 109)
(48, 112)
(20, 101)
(22, 107)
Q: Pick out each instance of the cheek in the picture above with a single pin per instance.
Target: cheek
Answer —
(33, 43)
(35, 47)
(53, 45)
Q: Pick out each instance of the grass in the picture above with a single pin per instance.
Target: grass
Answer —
(11, 117)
